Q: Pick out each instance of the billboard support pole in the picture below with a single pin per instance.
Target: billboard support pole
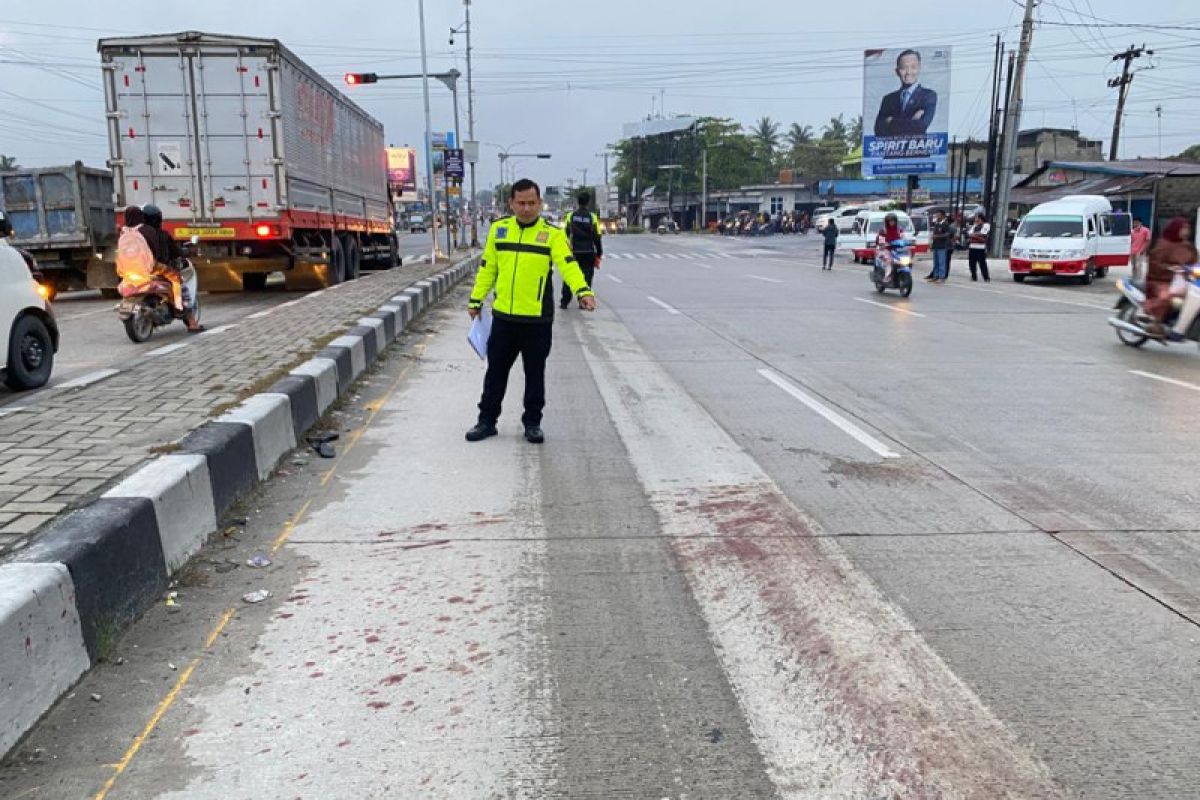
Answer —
(704, 190)
(989, 181)
(1012, 123)
(908, 192)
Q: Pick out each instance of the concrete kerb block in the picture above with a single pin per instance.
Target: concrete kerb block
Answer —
(324, 372)
(392, 320)
(43, 653)
(426, 288)
(229, 448)
(181, 491)
(370, 343)
(408, 308)
(301, 391)
(380, 331)
(269, 417)
(418, 299)
(343, 359)
(358, 355)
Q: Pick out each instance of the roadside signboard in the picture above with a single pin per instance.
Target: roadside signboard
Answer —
(454, 164)
(906, 111)
(401, 170)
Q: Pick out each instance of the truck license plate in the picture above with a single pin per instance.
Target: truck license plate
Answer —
(205, 233)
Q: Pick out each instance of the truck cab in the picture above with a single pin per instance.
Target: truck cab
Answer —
(1079, 236)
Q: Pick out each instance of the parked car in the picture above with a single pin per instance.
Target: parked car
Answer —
(821, 215)
(860, 239)
(1079, 235)
(844, 217)
(417, 224)
(28, 332)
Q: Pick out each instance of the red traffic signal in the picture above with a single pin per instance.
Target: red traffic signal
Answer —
(355, 78)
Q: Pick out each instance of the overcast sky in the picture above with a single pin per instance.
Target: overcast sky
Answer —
(563, 77)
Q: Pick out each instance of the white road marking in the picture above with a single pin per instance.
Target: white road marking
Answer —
(4, 412)
(216, 330)
(1165, 379)
(669, 308)
(260, 314)
(88, 379)
(641, 255)
(688, 256)
(657, 255)
(1030, 296)
(170, 348)
(615, 278)
(761, 278)
(889, 307)
(861, 436)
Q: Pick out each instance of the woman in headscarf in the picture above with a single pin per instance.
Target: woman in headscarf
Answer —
(1173, 251)
(889, 233)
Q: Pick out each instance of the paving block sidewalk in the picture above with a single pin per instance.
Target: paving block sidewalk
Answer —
(70, 444)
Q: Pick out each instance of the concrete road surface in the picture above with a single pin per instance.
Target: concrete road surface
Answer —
(787, 538)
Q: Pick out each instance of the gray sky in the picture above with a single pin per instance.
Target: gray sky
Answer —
(564, 77)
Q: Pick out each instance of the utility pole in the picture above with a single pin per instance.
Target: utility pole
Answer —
(605, 156)
(989, 180)
(1158, 111)
(1012, 125)
(466, 26)
(704, 190)
(428, 135)
(1121, 84)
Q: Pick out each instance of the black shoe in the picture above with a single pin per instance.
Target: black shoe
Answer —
(481, 432)
(564, 305)
(534, 435)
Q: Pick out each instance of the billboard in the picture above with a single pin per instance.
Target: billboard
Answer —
(454, 164)
(656, 127)
(906, 111)
(402, 170)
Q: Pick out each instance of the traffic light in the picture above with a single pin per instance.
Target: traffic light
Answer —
(355, 78)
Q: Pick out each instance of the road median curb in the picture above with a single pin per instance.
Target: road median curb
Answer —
(65, 597)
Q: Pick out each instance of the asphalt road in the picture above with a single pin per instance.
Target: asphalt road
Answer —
(93, 341)
(787, 538)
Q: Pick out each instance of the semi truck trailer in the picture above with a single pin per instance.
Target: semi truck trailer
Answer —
(250, 151)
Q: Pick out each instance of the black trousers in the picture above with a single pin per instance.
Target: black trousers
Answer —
(587, 263)
(531, 341)
(977, 260)
(827, 255)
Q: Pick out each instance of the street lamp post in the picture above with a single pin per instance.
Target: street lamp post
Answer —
(428, 133)
(466, 26)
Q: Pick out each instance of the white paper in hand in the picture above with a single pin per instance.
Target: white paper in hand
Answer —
(479, 333)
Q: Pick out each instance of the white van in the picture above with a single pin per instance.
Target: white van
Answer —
(1078, 235)
(28, 334)
(860, 241)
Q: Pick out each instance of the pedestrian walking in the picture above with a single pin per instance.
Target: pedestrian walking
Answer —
(523, 309)
(977, 242)
(583, 232)
(1139, 250)
(830, 234)
(941, 244)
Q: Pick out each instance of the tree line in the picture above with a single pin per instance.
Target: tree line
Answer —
(737, 156)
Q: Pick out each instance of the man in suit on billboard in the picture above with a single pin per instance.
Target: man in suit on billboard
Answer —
(909, 110)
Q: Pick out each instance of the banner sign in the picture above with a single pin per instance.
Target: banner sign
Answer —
(454, 164)
(906, 111)
(401, 170)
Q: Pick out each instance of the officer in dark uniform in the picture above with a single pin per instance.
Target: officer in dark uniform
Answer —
(516, 263)
(583, 231)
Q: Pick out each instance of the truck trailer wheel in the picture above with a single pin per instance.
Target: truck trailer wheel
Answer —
(337, 262)
(353, 258)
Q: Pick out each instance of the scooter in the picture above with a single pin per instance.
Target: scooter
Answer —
(148, 301)
(1134, 326)
(900, 256)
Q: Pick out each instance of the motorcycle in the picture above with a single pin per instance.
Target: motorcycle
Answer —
(148, 301)
(1134, 326)
(900, 255)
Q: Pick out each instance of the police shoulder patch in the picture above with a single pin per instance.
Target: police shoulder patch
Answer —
(501, 232)
(543, 236)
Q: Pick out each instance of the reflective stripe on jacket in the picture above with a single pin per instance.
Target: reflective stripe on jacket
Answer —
(517, 262)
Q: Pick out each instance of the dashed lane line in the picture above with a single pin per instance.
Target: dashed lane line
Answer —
(888, 307)
(615, 279)
(765, 279)
(169, 348)
(1164, 379)
(843, 424)
(670, 309)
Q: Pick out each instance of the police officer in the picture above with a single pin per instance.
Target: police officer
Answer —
(583, 229)
(516, 263)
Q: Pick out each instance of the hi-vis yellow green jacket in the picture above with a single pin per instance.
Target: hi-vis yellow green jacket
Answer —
(516, 263)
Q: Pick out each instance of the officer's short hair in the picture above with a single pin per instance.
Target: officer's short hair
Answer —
(584, 199)
(523, 185)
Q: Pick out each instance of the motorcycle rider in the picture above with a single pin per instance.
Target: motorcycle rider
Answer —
(168, 254)
(1173, 251)
(887, 238)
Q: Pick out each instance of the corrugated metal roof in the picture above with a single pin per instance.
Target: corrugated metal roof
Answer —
(1101, 185)
(1131, 166)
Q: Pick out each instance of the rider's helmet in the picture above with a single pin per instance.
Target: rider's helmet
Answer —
(153, 215)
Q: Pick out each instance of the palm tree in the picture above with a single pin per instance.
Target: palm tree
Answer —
(836, 130)
(854, 136)
(8, 163)
(798, 135)
(766, 135)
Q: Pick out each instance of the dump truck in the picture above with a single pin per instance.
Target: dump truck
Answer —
(251, 154)
(63, 216)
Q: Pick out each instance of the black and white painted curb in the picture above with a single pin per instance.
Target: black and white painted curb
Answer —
(96, 569)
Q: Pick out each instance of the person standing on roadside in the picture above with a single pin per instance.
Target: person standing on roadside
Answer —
(516, 263)
(941, 242)
(830, 234)
(1139, 249)
(583, 231)
(977, 242)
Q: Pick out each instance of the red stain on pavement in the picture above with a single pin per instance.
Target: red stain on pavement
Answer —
(191, 731)
(378, 704)
(455, 599)
(372, 639)
(444, 618)
(392, 680)
(455, 710)
(343, 743)
(316, 674)
(417, 545)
